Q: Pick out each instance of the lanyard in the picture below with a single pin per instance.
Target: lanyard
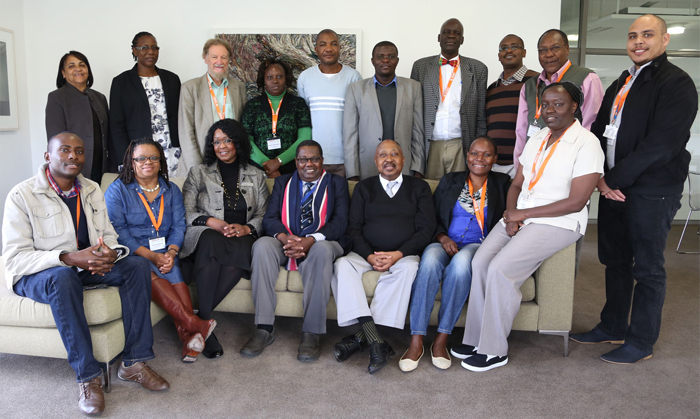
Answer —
(620, 99)
(275, 114)
(443, 95)
(222, 115)
(534, 179)
(156, 224)
(537, 93)
(479, 210)
(77, 220)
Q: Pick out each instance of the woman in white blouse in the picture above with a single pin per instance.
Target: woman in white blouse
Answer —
(545, 212)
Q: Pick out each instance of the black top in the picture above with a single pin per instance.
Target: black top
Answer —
(386, 96)
(650, 154)
(83, 235)
(234, 203)
(405, 222)
(130, 112)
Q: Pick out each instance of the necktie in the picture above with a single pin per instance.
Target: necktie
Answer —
(390, 188)
(444, 61)
(307, 213)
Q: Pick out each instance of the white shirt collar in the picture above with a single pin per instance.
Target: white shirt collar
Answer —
(398, 180)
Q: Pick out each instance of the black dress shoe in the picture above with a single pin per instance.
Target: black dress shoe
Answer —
(309, 348)
(212, 347)
(254, 347)
(379, 355)
(346, 348)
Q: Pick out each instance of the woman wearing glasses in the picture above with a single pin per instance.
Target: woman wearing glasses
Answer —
(143, 102)
(276, 121)
(225, 200)
(147, 211)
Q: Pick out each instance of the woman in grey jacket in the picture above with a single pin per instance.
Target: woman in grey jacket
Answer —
(76, 108)
(225, 200)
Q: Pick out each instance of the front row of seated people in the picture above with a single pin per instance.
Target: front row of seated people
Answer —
(57, 237)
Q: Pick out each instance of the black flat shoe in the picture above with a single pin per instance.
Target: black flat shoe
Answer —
(379, 355)
(212, 347)
(346, 348)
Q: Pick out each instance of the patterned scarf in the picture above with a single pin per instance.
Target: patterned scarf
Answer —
(467, 201)
(291, 210)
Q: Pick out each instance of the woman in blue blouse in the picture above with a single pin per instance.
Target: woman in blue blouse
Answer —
(468, 205)
(148, 213)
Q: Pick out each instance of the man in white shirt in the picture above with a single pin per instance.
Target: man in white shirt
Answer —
(454, 95)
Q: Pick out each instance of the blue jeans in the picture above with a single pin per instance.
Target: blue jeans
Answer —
(455, 273)
(62, 289)
(631, 241)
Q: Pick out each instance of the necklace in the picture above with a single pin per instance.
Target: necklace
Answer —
(227, 197)
(150, 190)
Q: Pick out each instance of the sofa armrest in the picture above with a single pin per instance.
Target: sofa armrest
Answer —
(554, 283)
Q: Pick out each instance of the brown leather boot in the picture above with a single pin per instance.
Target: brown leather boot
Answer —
(165, 295)
(192, 345)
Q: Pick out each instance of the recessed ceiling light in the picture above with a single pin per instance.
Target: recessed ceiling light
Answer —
(676, 30)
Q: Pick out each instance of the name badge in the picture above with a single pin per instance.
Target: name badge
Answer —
(610, 133)
(441, 114)
(526, 202)
(156, 243)
(532, 130)
(274, 143)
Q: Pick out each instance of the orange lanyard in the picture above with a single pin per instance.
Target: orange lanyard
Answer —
(478, 210)
(156, 224)
(77, 220)
(534, 179)
(443, 95)
(275, 115)
(620, 99)
(537, 93)
(222, 115)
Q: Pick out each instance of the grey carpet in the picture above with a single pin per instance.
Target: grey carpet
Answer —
(537, 382)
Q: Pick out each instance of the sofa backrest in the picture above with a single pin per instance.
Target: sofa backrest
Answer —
(108, 178)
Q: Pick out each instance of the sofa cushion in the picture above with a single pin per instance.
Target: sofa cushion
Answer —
(101, 306)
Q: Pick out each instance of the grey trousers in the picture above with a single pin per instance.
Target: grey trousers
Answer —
(499, 268)
(316, 273)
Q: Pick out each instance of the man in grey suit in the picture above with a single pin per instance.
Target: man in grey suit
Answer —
(454, 96)
(206, 99)
(383, 107)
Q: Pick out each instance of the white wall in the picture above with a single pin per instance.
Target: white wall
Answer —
(103, 31)
(15, 149)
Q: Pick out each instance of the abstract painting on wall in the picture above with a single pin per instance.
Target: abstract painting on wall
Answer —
(8, 84)
(293, 46)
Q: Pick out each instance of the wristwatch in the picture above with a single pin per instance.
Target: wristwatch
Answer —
(280, 160)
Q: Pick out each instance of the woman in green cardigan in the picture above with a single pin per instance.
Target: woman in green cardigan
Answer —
(276, 121)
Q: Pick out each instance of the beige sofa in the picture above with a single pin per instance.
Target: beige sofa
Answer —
(27, 327)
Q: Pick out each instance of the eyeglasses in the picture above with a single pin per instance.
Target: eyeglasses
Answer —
(142, 159)
(510, 48)
(218, 143)
(554, 49)
(304, 160)
(146, 47)
(389, 57)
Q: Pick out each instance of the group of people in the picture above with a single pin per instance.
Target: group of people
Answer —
(517, 164)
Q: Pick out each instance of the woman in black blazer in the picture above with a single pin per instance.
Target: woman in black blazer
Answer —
(76, 108)
(143, 102)
(468, 205)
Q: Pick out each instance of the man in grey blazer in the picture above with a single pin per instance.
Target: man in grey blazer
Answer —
(383, 107)
(454, 96)
(206, 99)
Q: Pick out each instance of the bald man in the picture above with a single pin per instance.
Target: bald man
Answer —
(57, 238)
(644, 139)
(392, 220)
(454, 95)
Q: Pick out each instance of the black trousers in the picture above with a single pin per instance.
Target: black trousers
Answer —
(631, 241)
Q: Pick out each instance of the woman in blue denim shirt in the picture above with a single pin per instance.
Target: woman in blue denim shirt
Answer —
(148, 213)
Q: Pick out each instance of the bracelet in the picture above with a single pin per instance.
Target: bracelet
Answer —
(280, 160)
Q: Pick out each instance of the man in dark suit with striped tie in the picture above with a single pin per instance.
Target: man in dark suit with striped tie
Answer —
(305, 224)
